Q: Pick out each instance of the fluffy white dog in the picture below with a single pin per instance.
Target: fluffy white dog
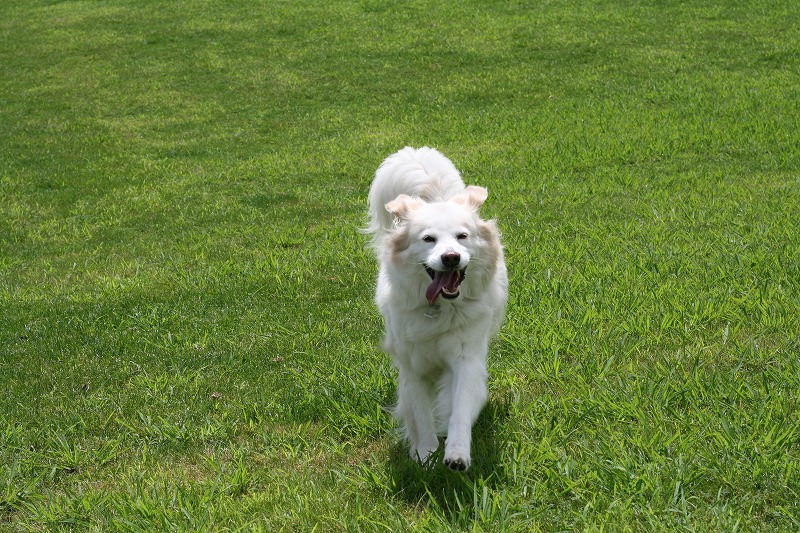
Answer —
(442, 291)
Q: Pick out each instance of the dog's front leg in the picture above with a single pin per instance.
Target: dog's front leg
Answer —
(415, 410)
(469, 396)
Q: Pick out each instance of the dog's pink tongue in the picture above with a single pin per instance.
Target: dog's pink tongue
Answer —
(435, 288)
(441, 280)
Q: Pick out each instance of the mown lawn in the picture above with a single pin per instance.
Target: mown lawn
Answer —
(187, 334)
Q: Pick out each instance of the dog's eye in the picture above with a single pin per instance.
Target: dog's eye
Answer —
(461, 236)
(429, 238)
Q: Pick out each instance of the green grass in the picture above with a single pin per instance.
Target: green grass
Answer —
(187, 334)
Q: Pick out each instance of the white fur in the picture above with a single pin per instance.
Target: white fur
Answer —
(421, 213)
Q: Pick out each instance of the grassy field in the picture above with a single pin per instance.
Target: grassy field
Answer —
(187, 335)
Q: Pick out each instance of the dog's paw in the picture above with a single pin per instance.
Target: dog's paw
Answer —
(457, 464)
(456, 454)
(421, 455)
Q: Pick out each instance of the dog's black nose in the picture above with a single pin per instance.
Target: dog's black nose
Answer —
(451, 259)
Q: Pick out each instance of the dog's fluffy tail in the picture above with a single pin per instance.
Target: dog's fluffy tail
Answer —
(421, 172)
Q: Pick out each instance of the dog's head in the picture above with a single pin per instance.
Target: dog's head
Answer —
(439, 238)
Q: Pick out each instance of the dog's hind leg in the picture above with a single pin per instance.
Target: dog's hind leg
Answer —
(469, 394)
(415, 410)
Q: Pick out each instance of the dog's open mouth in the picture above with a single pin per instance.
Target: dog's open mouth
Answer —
(445, 283)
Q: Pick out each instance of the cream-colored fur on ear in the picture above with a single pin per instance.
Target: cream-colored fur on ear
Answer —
(403, 205)
(472, 197)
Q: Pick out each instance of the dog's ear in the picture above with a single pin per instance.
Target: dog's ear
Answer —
(403, 205)
(472, 197)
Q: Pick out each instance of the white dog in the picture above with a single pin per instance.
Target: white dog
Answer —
(442, 291)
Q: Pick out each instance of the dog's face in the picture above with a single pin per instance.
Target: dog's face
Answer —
(438, 239)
